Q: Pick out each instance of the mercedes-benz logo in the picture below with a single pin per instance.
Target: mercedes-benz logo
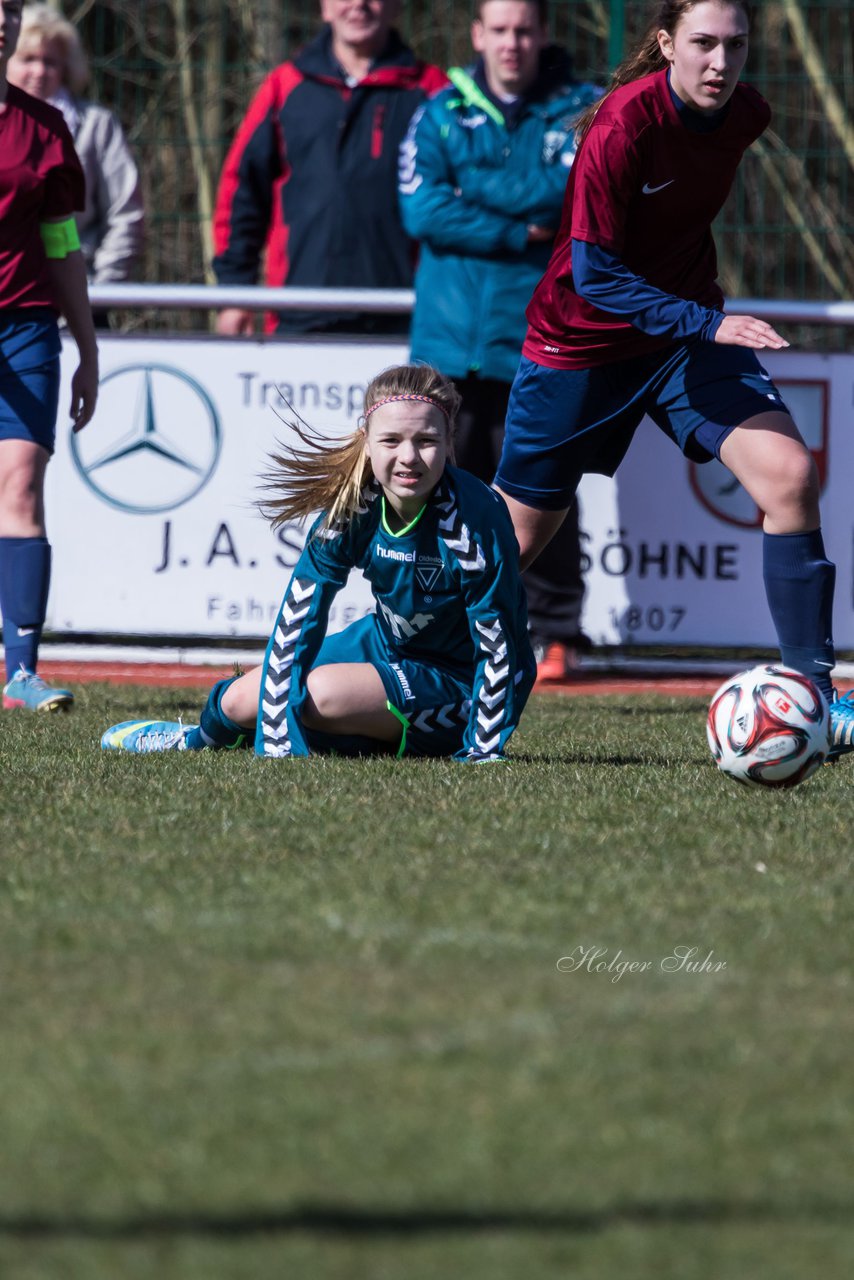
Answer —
(154, 442)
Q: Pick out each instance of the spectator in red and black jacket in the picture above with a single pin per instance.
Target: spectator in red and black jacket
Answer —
(312, 173)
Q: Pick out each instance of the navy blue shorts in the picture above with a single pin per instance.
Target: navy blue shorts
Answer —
(563, 423)
(29, 375)
(435, 703)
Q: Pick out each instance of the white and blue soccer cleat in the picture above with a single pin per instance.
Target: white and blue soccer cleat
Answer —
(28, 692)
(144, 736)
(841, 725)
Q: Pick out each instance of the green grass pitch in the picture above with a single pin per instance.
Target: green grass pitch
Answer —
(333, 1019)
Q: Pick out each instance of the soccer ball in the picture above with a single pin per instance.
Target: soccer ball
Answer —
(769, 727)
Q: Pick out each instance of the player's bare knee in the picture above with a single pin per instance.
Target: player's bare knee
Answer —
(323, 702)
(20, 498)
(796, 490)
(240, 702)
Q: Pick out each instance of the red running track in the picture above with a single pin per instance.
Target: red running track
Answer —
(165, 675)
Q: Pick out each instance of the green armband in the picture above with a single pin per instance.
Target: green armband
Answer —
(59, 238)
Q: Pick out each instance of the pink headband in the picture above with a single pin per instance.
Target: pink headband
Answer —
(404, 396)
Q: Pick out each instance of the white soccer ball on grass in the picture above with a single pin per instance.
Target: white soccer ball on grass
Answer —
(769, 727)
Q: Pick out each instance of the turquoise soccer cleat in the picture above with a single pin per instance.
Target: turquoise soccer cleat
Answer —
(28, 692)
(144, 736)
(841, 725)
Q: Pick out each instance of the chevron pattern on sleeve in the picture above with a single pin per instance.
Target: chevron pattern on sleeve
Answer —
(491, 699)
(277, 676)
(448, 716)
(454, 532)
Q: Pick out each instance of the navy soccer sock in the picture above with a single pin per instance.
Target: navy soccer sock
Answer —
(799, 582)
(24, 584)
(215, 729)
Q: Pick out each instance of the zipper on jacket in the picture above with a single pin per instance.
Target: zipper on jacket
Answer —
(377, 132)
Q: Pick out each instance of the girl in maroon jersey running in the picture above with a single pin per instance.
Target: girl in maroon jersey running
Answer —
(628, 320)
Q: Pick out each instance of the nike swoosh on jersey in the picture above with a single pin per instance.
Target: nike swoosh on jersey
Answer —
(648, 190)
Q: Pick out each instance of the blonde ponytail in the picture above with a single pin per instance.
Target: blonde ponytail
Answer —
(316, 475)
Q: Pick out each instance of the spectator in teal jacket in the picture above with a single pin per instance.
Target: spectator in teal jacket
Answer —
(482, 176)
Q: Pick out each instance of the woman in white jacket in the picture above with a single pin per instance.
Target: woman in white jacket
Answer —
(50, 64)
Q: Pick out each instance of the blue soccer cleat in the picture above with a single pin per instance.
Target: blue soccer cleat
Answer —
(144, 736)
(28, 692)
(841, 725)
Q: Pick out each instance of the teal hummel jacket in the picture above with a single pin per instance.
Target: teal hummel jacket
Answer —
(448, 593)
(472, 179)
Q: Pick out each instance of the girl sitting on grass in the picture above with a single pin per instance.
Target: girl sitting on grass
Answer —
(444, 666)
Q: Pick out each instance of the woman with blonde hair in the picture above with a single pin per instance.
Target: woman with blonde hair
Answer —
(50, 64)
(444, 666)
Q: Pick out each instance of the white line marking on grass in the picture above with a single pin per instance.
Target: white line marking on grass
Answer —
(424, 938)
(525, 1026)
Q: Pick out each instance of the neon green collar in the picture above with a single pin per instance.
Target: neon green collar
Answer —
(401, 533)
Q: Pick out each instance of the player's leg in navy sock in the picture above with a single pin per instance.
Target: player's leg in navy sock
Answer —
(799, 582)
(215, 729)
(24, 585)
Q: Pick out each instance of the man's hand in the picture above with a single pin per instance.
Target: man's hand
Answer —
(235, 321)
(540, 235)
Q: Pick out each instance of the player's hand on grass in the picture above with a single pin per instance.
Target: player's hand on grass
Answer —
(747, 331)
